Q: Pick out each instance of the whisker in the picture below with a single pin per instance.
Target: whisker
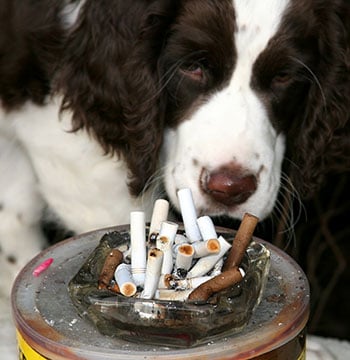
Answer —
(313, 75)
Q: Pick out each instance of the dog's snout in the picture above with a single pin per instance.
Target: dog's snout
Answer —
(229, 185)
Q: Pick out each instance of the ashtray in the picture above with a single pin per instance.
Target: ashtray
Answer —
(168, 323)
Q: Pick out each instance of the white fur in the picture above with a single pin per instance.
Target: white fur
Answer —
(42, 159)
(233, 125)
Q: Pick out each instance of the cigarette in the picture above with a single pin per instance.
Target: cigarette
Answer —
(188, 284)
(138, 246)
(189, 216)
(217, 269)
(206, 263)
(207, 228)
(159, 214)
(218, 283)
(172, 295)
(125, 280)
(205, 248)
(154, 265)
(184, 256)
(164, 281)
(113, 259)
(241, 241)
(165, 242)
(42, 267)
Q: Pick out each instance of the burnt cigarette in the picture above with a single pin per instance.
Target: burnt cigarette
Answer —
(124, 279)
(184, 256)
(164, 281)
(188, 284)
(138, 246)
(207, 228)
(218, 283)
(241, 241)
(206, 263)
(172, 295)
(165, 242)
(189, 216)
(205, 248)
(159, 214)
(113, 259)
(154, 265)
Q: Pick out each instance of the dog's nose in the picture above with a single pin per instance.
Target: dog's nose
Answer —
(229, 185)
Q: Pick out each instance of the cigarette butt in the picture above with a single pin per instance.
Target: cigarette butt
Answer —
(154, 265)
(216, 284)
(113, 259)
(188, 284)
(164, 281)
(138, 246)
(184, 256)
(125, 280)
(207, 228)
(172, 295)
(159, 214)
(189, 216)
(206, 263)
(241, 241)
(207, 247)
(165, 243)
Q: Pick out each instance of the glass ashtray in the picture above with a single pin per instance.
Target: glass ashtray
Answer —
(168, 323)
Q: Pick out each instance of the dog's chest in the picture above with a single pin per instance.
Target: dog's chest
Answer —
(84, 187)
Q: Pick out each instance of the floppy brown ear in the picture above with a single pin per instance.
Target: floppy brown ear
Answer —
(109, 79)
(321, 144)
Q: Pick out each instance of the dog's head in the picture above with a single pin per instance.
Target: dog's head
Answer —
(219, 89)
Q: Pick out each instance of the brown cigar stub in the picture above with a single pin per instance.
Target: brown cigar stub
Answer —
(216, 284)
(113, 259)
(241, 241)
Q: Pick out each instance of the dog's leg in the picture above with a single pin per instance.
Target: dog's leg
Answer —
(21, 208)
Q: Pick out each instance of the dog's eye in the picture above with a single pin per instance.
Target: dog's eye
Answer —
(281, 79)
(194, 72)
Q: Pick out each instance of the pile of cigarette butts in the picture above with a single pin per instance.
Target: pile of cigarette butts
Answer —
(167, 265)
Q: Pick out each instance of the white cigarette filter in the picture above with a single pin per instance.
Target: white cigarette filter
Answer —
(184, 256)
(186, 284)
(189, 216)
(138, 246)
(124, 279)
(207, 228)
(165, 243)
(153, 269)
(205, 248)
(206, 263)
(172, 295)
(159, 214)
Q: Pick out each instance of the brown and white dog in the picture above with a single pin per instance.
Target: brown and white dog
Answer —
(103, 101)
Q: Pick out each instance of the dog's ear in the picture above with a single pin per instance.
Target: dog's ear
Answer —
(109, 80)
(321, 143)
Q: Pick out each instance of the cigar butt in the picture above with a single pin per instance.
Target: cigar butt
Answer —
(113, 259)
(216, 284)
(241, 241)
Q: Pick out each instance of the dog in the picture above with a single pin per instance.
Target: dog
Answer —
(106, 105)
